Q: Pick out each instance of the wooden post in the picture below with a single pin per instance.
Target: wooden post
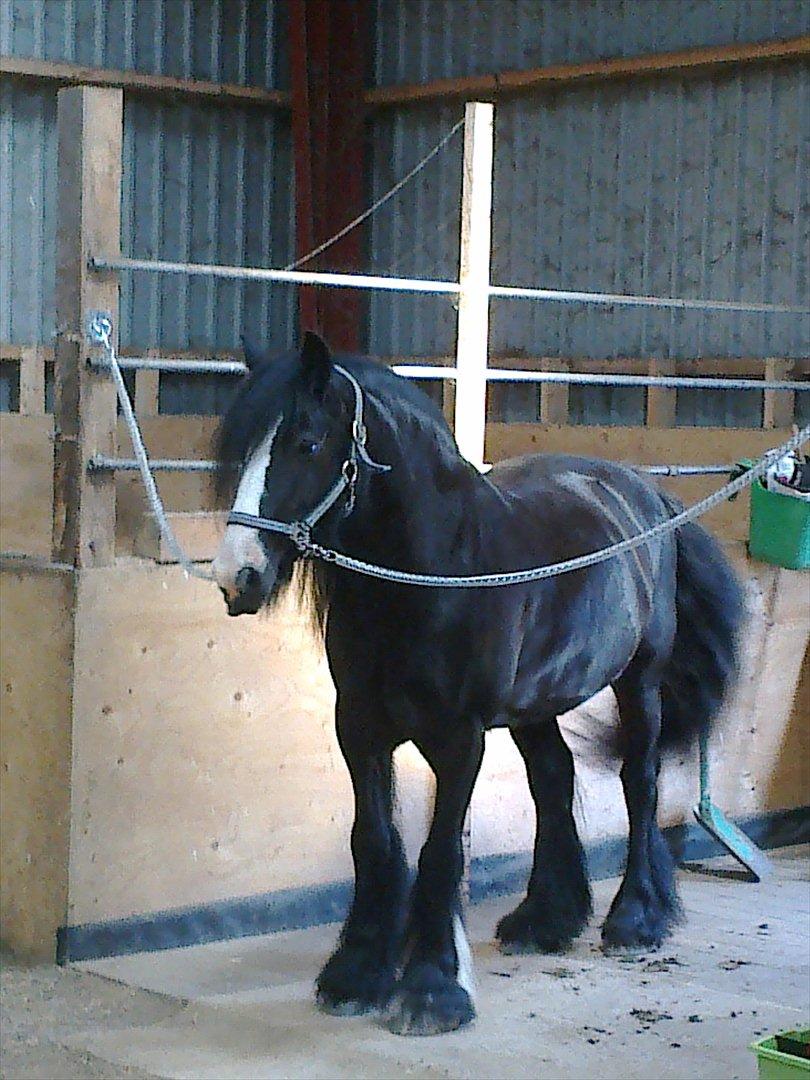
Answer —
(554, 396)
(147, 389)
(32, 381)
(473, 304)
(661, 400)
(778, 405)
(89, 122)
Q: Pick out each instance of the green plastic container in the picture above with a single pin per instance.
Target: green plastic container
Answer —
(775, 1064)
(779, 530)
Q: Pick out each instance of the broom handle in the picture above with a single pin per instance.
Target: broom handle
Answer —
(705, 790)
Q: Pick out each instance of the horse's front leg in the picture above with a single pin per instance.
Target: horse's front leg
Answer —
(435, 992)
(359, 976)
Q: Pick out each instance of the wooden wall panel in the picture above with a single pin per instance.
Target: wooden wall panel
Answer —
(36, 649)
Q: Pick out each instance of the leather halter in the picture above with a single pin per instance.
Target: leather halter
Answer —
(300, 532)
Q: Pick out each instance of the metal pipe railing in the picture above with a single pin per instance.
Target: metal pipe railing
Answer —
(176, 366)
(426, 371)
(100, 463)
(109, 464)
(417, 371)
(422, 285)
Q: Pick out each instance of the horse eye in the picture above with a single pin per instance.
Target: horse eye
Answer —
(310, 446)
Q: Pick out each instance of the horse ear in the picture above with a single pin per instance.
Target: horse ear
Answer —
(316, 361)
(254, 354)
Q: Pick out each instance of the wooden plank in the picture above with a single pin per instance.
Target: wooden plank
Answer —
(36, 658)
(557, 76)
(554, 396)
(26, 490)
(147, 389)
(89, 121)
(198, 533)
(778, 406)
(661, 400)
(472, 340)
(738, 366)
(649, 446)
(63, 74)
(32, 381)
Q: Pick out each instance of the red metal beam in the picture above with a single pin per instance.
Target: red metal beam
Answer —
(328, 54)
(302, 141)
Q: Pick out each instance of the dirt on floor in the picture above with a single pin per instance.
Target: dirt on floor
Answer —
(44, 1006)
(242, 1010)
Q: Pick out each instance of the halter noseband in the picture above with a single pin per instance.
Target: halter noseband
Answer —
(300, 532)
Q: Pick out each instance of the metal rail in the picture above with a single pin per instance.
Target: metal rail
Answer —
(100, 463)
(109, 464)
(421, 285)
(180, 367)
(417, 371)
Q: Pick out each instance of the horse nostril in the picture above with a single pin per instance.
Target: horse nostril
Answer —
(247, 579)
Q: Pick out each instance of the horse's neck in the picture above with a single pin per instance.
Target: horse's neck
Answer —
(427, 514)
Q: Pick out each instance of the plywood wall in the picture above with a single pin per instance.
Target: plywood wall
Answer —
(36, 672)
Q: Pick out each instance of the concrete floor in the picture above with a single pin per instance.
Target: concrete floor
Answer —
(738, 968)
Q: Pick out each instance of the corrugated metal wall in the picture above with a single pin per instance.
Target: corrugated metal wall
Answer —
(202, 182)
(691, 187)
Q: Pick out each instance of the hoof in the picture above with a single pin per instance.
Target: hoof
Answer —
(428, 1003)
(632, 928)
(350, 986)
(528, 930)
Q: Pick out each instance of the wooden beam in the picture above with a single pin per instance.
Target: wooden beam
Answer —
(199, 534)
(90, 127)
(661, 400)
(778, 406)
(62, 74)
(553, 396)
(556, 76)
(472, 341)
(32, 381)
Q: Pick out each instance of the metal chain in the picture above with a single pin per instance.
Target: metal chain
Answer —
(538, 573)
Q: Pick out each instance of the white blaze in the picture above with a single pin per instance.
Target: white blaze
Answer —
(241, 546)
(464, 962)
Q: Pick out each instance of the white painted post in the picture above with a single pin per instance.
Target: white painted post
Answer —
(473, 303)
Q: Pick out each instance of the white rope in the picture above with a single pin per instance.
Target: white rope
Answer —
(101, 331)
(380, 202)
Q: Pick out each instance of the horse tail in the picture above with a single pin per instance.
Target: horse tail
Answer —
(705, 656)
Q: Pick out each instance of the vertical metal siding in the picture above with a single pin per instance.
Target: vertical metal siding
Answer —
(201, 181)
(418, 40)
(691, 187)
(230, 41)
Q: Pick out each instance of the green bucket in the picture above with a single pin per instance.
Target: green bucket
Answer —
(776, 1064)
(779, 529)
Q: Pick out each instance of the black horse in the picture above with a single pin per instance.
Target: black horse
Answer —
(658, 624)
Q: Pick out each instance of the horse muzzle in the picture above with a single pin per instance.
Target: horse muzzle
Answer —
(248, 594)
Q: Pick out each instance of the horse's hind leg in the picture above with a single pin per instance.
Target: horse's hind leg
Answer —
(360, 975)
(646, 905)
(558, 901)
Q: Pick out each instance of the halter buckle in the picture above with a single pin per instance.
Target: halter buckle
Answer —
(359, 433)
(301, 536)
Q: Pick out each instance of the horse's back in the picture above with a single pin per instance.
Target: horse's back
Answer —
(594, 485)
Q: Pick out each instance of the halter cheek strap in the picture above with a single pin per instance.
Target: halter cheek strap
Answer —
(300, 532)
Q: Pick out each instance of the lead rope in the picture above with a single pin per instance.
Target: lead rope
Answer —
(101, 333)
(100, 330)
